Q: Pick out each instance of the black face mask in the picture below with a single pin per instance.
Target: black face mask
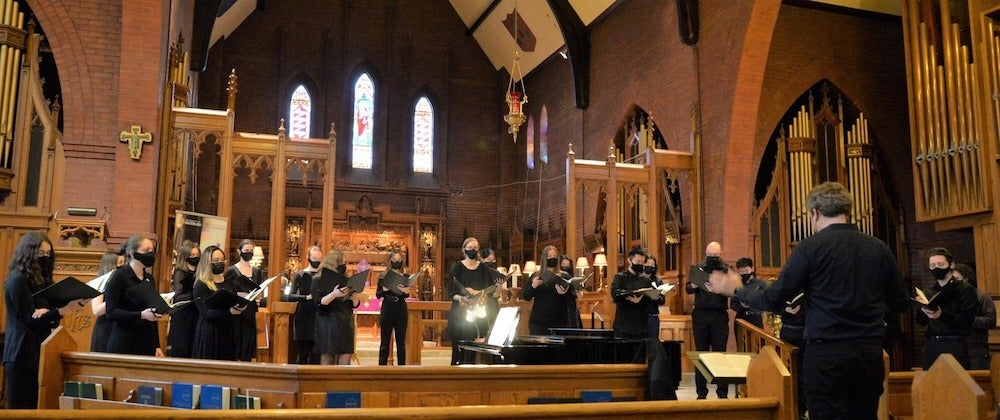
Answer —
(396, 265)
(246, 256)
(490, 264)
(551, 262)
(566, 268)
(940, 273)
(147, 259)
(193, 260)
(746, 277)
(218, 268)
(45, 263)
(471, 254)
(314, 264)
(342, 269)
(649, 270)
(638, 268)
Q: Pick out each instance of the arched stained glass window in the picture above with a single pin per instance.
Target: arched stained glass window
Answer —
(543, 135)
(423, 136)
(364, 117)
(530, 144)
(299, 110)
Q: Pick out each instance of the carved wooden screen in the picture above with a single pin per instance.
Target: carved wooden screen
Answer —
(817, 141)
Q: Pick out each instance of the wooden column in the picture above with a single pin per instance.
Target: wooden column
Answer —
(225, 205)
(571, 204)
(611, 217)
(329, 179)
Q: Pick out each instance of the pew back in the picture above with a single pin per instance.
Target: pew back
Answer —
(946, 391)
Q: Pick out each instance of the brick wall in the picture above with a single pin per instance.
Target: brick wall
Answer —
(408, 48)
(109, 58)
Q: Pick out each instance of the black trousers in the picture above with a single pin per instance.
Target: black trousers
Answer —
(711, 332)
(793, 335)
(936, 346)
(843, 379)
(393, 317)
(22, 386)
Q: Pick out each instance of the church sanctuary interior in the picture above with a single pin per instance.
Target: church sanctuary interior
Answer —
(592, 126)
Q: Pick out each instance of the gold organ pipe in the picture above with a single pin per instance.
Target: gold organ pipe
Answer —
(942, 138)
(8, 77)
(913, 27)
(976, 135)
(969, 118)
(948, 100)
(933, 118)
(926, 134)
(5, 158)
(15, 76)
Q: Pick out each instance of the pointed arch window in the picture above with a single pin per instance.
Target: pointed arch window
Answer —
(423, 136)
(299, 111)
(530, 144)
(364, 112)
(543, 135)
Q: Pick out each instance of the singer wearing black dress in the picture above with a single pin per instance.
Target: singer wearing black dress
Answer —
(102, 327)
(466, 279)
(393, 317)
(29, 319)
(304, 325)
(183, 322)
(334, 312)
(551, 295)
(213, 334)
(133, 323)
(246, 278)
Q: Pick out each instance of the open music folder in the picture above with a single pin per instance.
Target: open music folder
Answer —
(66, 291)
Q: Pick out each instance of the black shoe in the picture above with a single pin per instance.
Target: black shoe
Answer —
(723, 396)
(701, 397)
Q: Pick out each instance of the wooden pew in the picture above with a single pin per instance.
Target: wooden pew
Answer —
(751, 339)
(305, 386)
(897, 397)
(744, 409)
(768, 386)
(946, 391)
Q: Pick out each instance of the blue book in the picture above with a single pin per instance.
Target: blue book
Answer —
(184, 395)
(595, 396)
(149, 395)
(215, 397)
(340, 399)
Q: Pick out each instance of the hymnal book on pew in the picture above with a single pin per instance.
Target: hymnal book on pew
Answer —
(393, 280)
(149, 395)
(101, 282)
(71, 389)
(795, 301)
(184, 395)
(63, 292)
(246, 402)
(342, 399)
(595, 396)
(215, 397)
(726, 365)
(91, 390)
(225, 299)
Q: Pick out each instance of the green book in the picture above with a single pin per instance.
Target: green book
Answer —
(246, 402)
(71, 389)
(91, 390)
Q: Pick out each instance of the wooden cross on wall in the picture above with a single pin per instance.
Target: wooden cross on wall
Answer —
(135, 138)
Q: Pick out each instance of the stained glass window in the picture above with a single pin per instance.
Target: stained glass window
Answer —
(299, 110)
(543, 135)
(530, 134)
(364, 113)
(423, 136)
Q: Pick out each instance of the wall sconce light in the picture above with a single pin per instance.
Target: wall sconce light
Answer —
(82, 211)
(581, 266)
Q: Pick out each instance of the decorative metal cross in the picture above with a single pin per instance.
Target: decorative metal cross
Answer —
(135, 138)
